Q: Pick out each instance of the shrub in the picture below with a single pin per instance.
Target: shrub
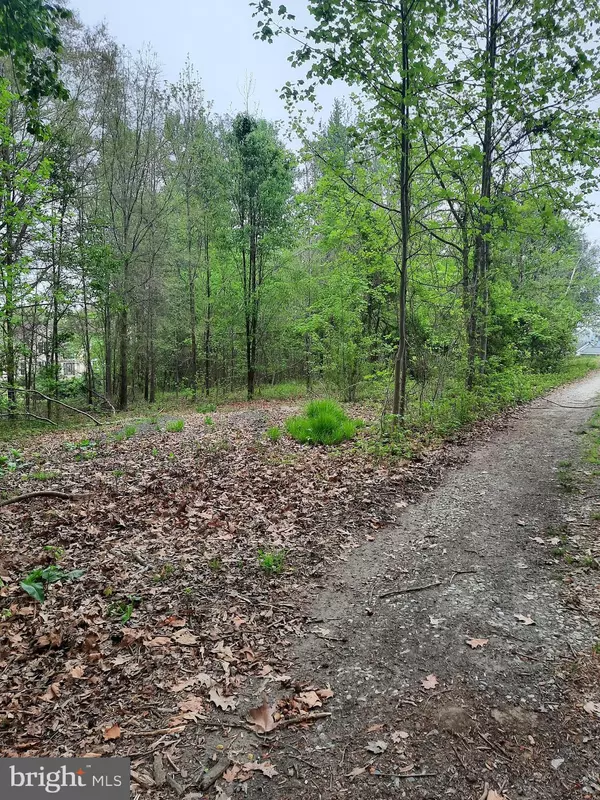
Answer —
(324, 422)
(175, 426)
(274, 434)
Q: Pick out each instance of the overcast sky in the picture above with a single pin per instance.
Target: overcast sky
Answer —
(217, 35)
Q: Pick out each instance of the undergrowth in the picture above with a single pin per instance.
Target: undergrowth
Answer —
(323, 422)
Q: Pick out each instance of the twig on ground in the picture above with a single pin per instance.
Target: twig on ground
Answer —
(213, 775)
(47, 493)
(410, 589)
(285, 723)
(462, 572)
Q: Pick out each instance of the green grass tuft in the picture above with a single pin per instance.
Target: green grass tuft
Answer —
(175, 426)
(324, 422)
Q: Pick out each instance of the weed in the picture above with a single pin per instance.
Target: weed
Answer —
(596, 648)
(558, 552)
(274, 434)
(35, 583)
(84, 450)
(130, 431)
(595, 515)
(271, 563)
(206, 408)
(590, 561)
(55, 553)
(124, 608)
(566, 480)
(208, 421)
(324, 422)
(6, 614)
(215, 564)
(155, 451)
(42, 476)
(175, 426)
(165, 573)
(11, 461)
(118, 473)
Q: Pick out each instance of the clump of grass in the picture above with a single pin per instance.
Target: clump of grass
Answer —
(271, 563)
(175, 426)
(215, 564)
(208, 421)
(206, 408)
(274, 434)
(323, 422)
(130, 431)
(42, 476)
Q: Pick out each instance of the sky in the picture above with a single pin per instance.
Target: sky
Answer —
(218, 37)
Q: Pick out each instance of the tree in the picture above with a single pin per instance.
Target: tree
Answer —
(260, 187)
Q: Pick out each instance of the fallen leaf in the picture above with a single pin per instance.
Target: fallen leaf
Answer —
(492, 795)
(51, 693)
(376, 747)
(324, 694)
(525, 620)
(436, 621)
(231, 774)
(310, 699)
(185, 636)
(112, 732)
(475, 643)
(226, 703)
(77, 672)
(267, 769)
(261, 718)
(430, 682)
(557, 762)
(356, 771)
(374, 728)
(192, 703)
(592, 708)
(175, 622)
(158, 641)
(397, 736)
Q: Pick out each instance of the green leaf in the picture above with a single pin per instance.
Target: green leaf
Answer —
(36, 590)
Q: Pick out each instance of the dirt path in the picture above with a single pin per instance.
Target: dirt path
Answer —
(500, 713)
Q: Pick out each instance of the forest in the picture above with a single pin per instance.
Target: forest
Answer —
(421, 245)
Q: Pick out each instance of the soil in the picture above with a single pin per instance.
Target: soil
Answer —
(508, 714)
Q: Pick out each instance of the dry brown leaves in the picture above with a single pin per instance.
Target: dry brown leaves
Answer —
(173, 611)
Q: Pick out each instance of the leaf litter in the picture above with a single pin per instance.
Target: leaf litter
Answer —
(173, 619)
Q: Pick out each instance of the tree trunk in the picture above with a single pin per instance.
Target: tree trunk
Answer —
(400, 368)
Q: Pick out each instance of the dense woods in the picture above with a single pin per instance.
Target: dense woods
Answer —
(421, 245)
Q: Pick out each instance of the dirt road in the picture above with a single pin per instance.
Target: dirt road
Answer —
(412, 696)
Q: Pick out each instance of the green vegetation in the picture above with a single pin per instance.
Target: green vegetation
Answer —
(274, 434)
(272, 563)
(324, 422)
(409, 252)
(11, 461)
(36, 581)
(175, 426)
(42, 476)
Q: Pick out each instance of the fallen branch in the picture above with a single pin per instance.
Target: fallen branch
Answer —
(285, 723)
(410, 589)
(6, 388)
(213, 775)
(48, 493)
(29, 414)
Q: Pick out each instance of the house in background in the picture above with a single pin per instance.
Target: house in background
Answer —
(588, 343)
